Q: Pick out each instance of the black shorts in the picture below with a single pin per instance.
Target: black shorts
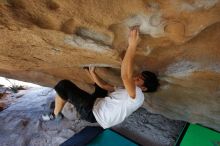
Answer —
(82, 100)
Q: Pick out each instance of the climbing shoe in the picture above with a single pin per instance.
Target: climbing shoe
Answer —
(51, 116)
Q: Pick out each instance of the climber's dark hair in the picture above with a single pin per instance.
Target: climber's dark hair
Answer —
(150, 81)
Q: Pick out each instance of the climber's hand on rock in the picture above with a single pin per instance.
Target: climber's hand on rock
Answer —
(133, 37)
(91, 69)
(86, 69)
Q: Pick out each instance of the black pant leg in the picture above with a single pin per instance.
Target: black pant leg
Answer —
(67, 90)
(82, 100)
(99, 92)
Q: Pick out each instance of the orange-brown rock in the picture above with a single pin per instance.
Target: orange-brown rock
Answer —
(43, 41)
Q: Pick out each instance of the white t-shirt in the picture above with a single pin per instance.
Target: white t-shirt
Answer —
(118, 105)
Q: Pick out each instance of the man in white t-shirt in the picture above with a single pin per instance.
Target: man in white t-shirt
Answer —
(108, 105)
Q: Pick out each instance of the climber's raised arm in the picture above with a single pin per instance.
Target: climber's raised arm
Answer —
(101, 83)
(128, 62)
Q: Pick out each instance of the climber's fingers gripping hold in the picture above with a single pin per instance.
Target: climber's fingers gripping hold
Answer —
(133, 36)
(92, 69)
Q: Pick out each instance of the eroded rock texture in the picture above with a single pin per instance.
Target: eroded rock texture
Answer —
(44, 41)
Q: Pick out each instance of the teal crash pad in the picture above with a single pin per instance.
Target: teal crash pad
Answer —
(111, 138)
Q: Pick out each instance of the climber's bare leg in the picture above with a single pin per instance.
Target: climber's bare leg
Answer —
(59, 104)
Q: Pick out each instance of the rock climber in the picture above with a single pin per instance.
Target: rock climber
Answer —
(108, 105)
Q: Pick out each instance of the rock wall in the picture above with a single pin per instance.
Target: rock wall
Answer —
(43, 41)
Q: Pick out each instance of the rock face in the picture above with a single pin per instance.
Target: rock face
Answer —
(48, 40)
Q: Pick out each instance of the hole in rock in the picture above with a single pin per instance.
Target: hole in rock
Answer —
(95, 35)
